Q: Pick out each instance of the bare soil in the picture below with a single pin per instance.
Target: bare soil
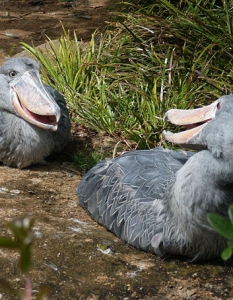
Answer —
(31, 20)
(68, 254)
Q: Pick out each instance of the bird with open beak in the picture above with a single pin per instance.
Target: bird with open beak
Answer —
(34, 120)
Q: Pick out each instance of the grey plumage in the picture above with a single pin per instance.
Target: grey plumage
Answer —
(157, 200)
(34, 121)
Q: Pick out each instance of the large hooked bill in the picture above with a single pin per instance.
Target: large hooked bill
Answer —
(194, 121)
(33, 103)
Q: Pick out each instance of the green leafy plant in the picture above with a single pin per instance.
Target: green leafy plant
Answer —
(22, 241)
(225, 228)
(75, 70)
(152, 57)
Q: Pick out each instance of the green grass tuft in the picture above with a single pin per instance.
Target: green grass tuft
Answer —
(151, 58)
(84, 161)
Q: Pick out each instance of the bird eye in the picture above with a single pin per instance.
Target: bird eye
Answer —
(219, 105)
(12, 73)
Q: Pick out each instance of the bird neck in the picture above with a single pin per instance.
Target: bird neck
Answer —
(204, 182)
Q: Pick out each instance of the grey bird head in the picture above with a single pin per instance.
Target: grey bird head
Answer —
(34, 120)
(24, 94)
(209, 127)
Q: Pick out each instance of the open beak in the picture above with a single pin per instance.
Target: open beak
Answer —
(33, 103)
(194, 120)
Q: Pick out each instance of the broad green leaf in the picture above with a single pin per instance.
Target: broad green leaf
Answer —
(221, 225)
(227, 253)
(230, 244)
(230, 212)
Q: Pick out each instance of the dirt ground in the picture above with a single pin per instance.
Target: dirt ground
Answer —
(68, 255)
(31, 20)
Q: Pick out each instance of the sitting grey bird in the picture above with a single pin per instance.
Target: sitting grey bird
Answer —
(157, 200)
(34, 121)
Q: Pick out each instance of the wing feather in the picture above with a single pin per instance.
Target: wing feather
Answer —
(126, 194)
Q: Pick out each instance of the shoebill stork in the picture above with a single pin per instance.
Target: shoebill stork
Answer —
(157, 200)
(34, 120)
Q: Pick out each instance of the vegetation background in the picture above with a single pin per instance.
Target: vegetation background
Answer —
(153, 56)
